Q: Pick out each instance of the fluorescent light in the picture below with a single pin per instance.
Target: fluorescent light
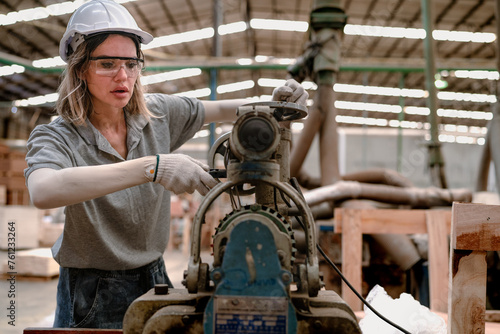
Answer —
(309, 85)
(283, 25)
(469, 97)
(361, 120)
(261, 59)
(265, 82)
(481, 115)
(463, 36)
(183, 37)
(37, 100)
(11, 69)
(232, 28)
(367, 106)
(245, 61)
(48, 62)
(411, 110)
(169, 76)
(455, 128)
(236, 86)
(374, 90)
(39, 13)
(478, 74)
(286, 61)
(418, 33)
(379, 31)
(394, 123)
(197, 93)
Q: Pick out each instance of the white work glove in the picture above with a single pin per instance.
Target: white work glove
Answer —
(180, 173)
(292, 91)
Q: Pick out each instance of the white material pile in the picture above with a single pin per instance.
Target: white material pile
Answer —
(404, 311)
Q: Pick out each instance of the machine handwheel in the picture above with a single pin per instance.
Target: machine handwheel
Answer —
(283, 111)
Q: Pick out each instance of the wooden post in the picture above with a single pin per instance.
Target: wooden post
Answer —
(438, 232)
(352, 244)
(468, 292)
(475, 230)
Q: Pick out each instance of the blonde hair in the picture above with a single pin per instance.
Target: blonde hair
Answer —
(74, 103)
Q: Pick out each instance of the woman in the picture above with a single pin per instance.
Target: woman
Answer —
(107, 160)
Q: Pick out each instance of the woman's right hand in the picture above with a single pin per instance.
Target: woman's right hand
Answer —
(181, 173)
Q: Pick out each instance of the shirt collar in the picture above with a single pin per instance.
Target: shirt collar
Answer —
(135, 125)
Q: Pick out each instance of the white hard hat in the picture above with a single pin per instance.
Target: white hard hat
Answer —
(98, 16)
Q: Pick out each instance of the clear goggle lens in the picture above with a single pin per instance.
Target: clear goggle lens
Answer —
(110, 66)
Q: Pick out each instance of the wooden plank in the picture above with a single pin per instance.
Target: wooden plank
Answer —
(352, 244)
(37, 262)
(438, 263)
(467, 296)
(476, 227)
(383, 221)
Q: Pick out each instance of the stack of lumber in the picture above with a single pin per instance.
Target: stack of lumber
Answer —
(19, 227)
(12, 165)
(36, 262)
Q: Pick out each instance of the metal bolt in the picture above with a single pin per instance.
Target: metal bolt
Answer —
(285, 277)
(217, 275)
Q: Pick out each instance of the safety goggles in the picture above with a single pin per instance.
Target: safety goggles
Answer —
(110, 66)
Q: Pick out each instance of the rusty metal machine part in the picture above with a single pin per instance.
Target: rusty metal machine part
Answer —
(254, 279)
(283, 234)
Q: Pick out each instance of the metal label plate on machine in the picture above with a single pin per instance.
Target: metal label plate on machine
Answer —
(252, 315)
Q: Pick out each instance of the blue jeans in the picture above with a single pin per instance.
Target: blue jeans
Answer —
(91, 298)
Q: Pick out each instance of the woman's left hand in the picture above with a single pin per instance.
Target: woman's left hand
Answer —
(292, 91)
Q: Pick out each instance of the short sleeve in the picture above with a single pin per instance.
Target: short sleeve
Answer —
(47, 149)
(185, 116)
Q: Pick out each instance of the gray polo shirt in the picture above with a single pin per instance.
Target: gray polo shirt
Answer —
(129, 228)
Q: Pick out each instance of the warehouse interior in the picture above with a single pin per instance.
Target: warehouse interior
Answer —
(400, 126)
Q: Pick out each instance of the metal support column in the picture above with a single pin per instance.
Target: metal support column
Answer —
(436, 162)
(401, 118)
(491, 150)
(217, 52)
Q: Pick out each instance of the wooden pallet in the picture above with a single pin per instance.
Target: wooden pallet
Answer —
(12, 165)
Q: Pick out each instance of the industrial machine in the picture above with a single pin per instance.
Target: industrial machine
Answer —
(257, 283)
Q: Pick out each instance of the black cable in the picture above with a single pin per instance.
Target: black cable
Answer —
(357, 293)
(294, 184)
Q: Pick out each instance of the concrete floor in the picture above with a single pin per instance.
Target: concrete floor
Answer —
(35, 299)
